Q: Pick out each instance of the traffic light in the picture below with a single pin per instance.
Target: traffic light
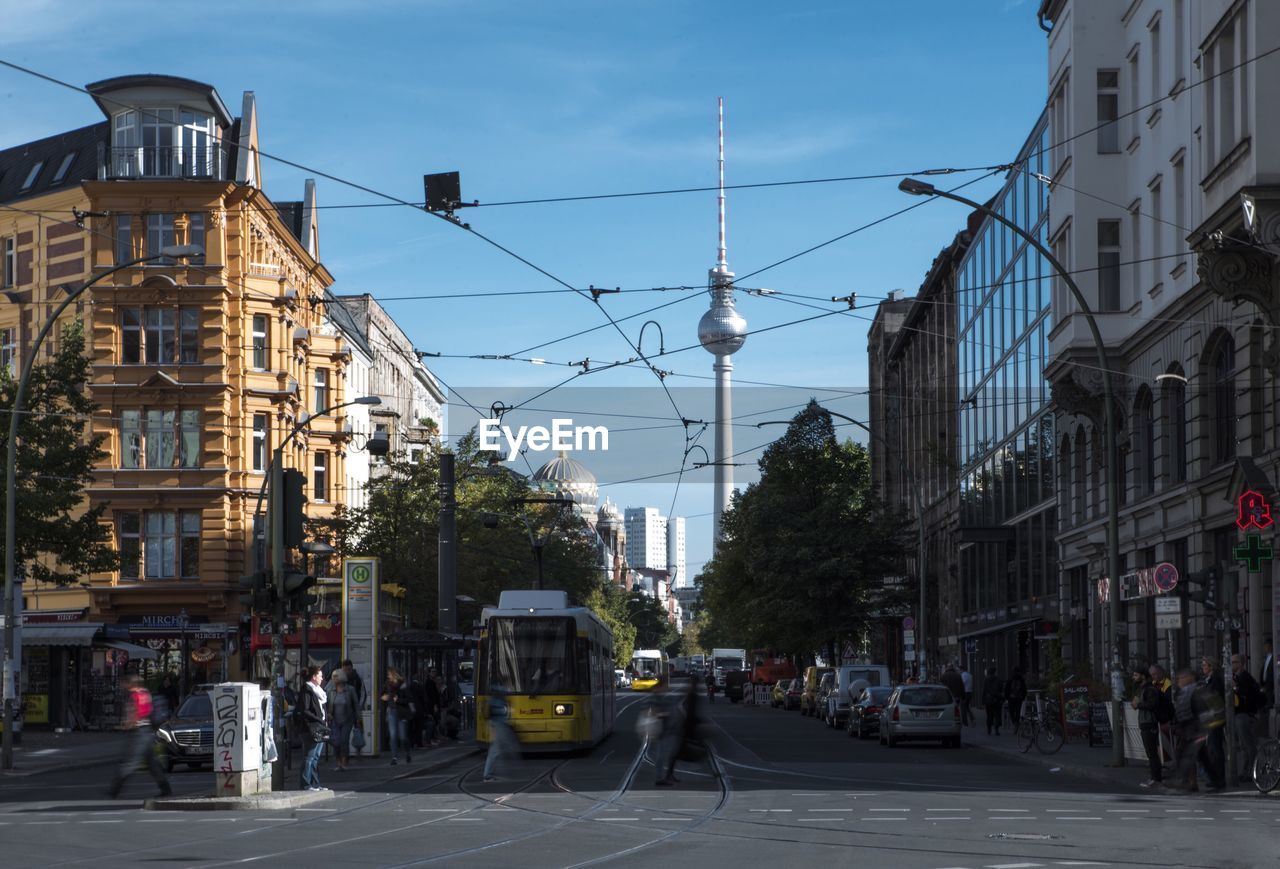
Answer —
(296, 585)
(294, 501)
(1203, 586)
(257, 595)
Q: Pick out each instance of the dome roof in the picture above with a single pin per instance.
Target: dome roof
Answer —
(609, 514)
(568, 478)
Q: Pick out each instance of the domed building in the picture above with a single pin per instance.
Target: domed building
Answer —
(566, 477)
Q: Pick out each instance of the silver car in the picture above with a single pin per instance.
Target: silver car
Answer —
(920, 712)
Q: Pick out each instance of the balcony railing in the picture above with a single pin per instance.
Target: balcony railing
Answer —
(159, 162)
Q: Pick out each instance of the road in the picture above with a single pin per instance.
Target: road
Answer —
(778, 790)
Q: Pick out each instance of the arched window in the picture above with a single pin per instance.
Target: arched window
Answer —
(1222, 403)
(1173, 415)
(1144, 448)
(1079, 463)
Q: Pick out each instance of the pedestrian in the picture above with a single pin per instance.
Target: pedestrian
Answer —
(1146, 698)
(1191, 735)
(356, 686)
(955, 684)
(966, 705)
(1212, 702)
(398, 704)
(993, 700)
(1248, 702)
(440, 698)
(169, 690)
(502, 740)
(1164, 709)
(342, 713)
(140, 739)
(711, 686)
(666, 715)
(1015, 693)
(315, 730)
(418, 721)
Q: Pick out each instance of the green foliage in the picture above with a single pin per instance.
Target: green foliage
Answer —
(59, 540)
(610, 603)
(804, 550)
(649, 618)
(400, 524)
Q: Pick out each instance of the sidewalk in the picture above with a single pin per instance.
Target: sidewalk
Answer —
(44, 751)
(1078, 759)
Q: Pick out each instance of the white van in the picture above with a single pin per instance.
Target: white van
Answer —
(850, 679)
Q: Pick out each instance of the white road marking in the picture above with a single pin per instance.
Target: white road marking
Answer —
(160, 821)
(831, 810)
(1127, 811)
(888, 810)
(812, 795)
(1012, 818)
(824, 820)
(464, 819)
(882, 818)
(1234, 811)
(668, 819)
(1079, 863)
(273, 819)
(213, 820)
(1004, 811)
(1077, 818)
(1012, 865)
(439, 810)
(617, 819)
(948, 818)
(117, 821)
(750, 810)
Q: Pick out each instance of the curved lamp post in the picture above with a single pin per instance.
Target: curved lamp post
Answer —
(176, 251)
(919, 499)
(1110, 431)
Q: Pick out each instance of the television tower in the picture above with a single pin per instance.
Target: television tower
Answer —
(722, 331)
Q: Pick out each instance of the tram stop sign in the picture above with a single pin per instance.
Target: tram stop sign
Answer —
(1165, 576)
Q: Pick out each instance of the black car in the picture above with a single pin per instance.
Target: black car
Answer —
(187, 737)
(864, 714)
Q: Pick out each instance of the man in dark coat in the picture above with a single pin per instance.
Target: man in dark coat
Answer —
(954, 681)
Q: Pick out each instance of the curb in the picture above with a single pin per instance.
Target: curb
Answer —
(1046, 761)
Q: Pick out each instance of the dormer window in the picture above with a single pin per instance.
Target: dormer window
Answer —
(64, 167)
(164, 142)
(32, 176)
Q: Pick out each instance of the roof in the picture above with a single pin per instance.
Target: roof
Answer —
(153, 80)
(342, 317)
(17, 162)
(291, 214)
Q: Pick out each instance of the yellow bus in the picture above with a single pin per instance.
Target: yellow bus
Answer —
(553, 666)
(649, 669)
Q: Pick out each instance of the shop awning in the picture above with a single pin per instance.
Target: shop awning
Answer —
(141, 653)
(81, 634)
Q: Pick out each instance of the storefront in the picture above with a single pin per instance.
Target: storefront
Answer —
(192, 649)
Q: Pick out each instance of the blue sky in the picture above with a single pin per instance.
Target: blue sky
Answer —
(530, 101)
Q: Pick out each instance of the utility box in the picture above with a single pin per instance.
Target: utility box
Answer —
(238, 722)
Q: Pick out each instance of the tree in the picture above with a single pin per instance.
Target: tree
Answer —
(653, 629)
(805, 549)
(59, 539)
(609, 602)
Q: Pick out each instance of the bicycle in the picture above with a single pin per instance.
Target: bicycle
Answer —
(1039, 725)
(1266, 766)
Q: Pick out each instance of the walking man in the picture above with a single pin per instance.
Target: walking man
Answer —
(1248, 702)
(1015, 692)
(955, 684)
(139, 743)
(502, 740)
(1212, 700)
(1146, 699)
(993, 700)
(1191, 735)
(966, 705)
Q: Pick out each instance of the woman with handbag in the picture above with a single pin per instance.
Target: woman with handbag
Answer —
(342, 713)
(315, 732)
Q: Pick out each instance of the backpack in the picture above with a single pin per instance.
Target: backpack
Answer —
(1209, 706)
(1164, 707)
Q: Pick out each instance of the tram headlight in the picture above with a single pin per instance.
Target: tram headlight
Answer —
(563, 709)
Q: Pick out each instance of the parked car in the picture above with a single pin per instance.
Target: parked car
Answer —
(735, 681)
(850, 679)
(779, 696)
(825, 686)
(187, 737)
(620, 679)
(864, 713)
(792, 693)
(809, 689)
(920, 712)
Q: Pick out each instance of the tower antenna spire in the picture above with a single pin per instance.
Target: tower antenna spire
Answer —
(721, 259)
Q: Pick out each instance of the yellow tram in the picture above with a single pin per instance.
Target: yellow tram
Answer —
(553, 665)
(649, 669)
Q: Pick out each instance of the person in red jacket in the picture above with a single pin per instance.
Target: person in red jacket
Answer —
(139, 744)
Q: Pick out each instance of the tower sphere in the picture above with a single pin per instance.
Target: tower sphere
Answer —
(722, 330)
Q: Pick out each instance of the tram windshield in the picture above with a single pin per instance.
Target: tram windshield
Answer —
(646, 668)
(532, 655)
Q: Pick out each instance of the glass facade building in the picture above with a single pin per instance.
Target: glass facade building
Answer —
(1007, 564)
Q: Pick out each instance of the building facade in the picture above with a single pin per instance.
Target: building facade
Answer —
(677, 564)
(646, 539)
(1164, 205)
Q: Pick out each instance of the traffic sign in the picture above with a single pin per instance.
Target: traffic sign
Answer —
(909, 637)
(1166, 576)
(1169, 621)
(971, 645)
(1166, 605)
(848, 654)
(908, 623)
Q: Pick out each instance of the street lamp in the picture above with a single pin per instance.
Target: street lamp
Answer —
(921, 624)
(1110, 431)
(173, 251)
(491, 521)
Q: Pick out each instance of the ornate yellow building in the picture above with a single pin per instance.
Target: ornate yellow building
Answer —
(199, 368)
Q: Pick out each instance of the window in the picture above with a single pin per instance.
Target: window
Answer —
(1063, 302)
(9, 350)
(320, 477)
(160, 234)
(124, 239)
(164, 142)
(1154, 51)
(1135, 95)
(1135, 241)
(32, 176)
(1174, 399)
(321, 390)
(1060, 125)
(1157, 226)
(259, 441)
(159, 544)
(1144, 464)
(1108, 111)
(1180, 197)
(1224, 401)
(160, 336)
(260, 341)
(1179, 42)
(63, 168)
(1108, 265)
(10, 266)
(195, 235)
(1226, 96)
(156, 439)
